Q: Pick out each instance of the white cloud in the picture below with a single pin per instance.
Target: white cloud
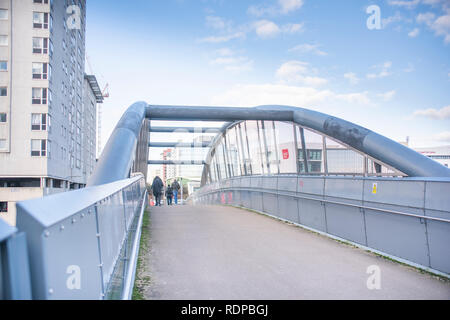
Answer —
(223, 38)
(409, 4)
(266, 28)
(298, 72)
(293, 28)
(263, 94)
(443, 136)
(427, 18)
(263, 28)
(414, 33)
(227, 59)
(440, 25)
(259, 11)
(224, 28)
(356, 98)
(352, 77)
(290, 5)
(385, 22)
(282, 7)
(387, 96)
(217, 23)
(292, 67)
(384, 71)
(306, 48)
(235, 64)
(438, 114)
(433, 2)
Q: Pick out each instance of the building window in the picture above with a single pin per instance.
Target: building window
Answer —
(39, 96)
(2, 144)
(40, 1)
(41, 71)
(3, 40)
(38, 148)
(40, 121)
(3, 207)
(40, 45)
(439, 157)
(3, 91)
(3, 14)
(3, 118)
(40, 20)
(50, 48)
(3, 65)
(49, 149)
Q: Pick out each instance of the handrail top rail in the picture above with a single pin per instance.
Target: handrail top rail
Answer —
(53, 209)
(337, 176)
(6, 230)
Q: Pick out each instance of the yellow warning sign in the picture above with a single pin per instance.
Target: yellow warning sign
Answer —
(374, 188)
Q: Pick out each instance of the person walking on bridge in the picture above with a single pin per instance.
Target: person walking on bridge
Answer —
(157, 188)
(176, 188)
(169, 194)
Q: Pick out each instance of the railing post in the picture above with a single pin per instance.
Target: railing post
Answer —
(100, 259)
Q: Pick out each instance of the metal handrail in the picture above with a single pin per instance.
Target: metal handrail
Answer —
(261, 190)
(131, 270)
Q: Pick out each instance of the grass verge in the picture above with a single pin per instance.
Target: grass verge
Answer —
(142, 280)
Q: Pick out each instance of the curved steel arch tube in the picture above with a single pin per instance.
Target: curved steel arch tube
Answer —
(373, 144)
(117, 158)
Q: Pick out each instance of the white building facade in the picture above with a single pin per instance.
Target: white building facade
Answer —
(440, 154)
(47, 104)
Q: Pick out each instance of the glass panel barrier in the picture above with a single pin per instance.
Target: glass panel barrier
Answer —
(377, 169)
(263, 143)
(272, 153)
(213, 169)
(220, 157)
(300, 151)
(233, 154)
(284, 133)
(314, 153)
(254, 146)
(342, 160)
(237, 131)
(246, 162)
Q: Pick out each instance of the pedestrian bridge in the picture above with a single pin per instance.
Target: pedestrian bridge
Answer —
(315, 171)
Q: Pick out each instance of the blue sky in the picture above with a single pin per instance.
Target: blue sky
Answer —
(315, 54)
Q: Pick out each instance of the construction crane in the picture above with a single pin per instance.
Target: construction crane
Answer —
(105, 94)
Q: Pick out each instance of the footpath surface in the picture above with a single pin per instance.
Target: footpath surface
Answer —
(215, 252)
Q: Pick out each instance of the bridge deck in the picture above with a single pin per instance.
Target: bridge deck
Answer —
(213, 252)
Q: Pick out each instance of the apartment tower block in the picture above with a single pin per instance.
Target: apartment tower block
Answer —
(48, 105)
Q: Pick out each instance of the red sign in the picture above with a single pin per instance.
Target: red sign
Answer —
(285, 154)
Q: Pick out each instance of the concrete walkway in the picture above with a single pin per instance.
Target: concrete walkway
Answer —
(213, 252)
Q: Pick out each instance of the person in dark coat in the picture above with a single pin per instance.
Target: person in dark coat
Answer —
(176, 188)
(169, 194)
(157, 188)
